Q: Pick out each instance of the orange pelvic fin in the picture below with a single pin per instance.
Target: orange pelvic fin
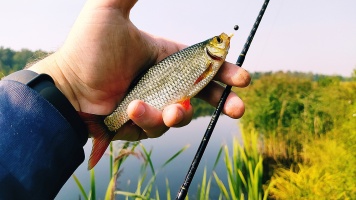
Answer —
(201, 77)
(100, 134)
(185, 103)
(205, 74)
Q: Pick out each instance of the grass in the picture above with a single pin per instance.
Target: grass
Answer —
(204, 188)
(116, 161)
(145, 184)
(244, 170)
(327, 173)
(146, 192)
(243, 166)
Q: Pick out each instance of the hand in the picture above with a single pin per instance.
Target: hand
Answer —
(104, 52)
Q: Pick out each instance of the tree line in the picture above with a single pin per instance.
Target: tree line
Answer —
(11, 60)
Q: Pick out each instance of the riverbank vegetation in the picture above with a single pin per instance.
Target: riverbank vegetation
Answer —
(299, 140)
(307, 133)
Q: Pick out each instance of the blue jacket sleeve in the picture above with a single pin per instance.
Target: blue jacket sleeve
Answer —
(39, 150)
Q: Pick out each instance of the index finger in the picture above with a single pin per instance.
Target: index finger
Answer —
(233, 75)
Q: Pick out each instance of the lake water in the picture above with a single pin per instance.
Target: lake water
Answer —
(162, 149)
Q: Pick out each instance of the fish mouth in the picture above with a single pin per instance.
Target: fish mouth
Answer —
(214, 57)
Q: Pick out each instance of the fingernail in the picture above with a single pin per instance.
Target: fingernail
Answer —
(139, 110)
(179, 115)
(234, 108)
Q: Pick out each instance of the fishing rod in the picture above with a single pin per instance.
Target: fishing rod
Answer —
(214, 118)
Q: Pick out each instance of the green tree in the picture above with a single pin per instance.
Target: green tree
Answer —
(11, 61)
(6, 59)
(353, 75)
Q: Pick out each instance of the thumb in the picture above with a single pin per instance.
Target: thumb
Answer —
(123, 5)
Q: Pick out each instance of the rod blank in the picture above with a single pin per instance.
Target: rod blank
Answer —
(214, 118)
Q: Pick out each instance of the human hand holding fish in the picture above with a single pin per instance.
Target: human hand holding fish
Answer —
(103, 54)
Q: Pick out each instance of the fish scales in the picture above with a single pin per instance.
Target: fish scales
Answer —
(158, 86)
(175, 79)
(170, 81)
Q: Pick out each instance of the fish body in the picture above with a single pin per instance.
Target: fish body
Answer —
(175, 79)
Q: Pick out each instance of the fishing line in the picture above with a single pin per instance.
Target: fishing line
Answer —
(267, 37)
(214, 118)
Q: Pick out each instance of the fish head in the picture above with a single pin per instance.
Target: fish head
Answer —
(218, 47)
(216, 50)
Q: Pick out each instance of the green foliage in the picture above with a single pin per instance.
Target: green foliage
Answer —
(146, 192)
(201, 108)
(244, 173)
(11, 61)
(126, 149)
(327, 81)
(289, 111)
(329, 173)
(80, 186)
(353, 75)
(116, 161)
(204, 187)
(274, 101)
(244, 170)
(308, 132)
(92, 194)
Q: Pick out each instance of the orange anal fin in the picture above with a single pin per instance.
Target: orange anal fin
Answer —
(100, 134)
(185, 103)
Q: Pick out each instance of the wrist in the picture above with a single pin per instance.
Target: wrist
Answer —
(51, 65)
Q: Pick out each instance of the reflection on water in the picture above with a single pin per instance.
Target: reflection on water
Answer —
(163, 148)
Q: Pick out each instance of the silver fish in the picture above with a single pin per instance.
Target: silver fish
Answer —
(175, 79)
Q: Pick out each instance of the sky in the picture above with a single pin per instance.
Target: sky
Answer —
(317, 36)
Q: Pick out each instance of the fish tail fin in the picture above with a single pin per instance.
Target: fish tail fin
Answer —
(100, 134)
(101, 141)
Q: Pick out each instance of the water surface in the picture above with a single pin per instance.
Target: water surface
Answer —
(163, 148)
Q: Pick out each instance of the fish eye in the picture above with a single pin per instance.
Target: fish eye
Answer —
(219, 39)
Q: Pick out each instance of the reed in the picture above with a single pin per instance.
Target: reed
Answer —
(244, 170)
(116, 161)
(146, 191)
(243, 166)
(204, 188)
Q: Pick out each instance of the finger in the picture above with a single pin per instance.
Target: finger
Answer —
(163, 47)
(229, 73)
(176, 115)
(130, 132)
(233, 75)
(147, 118)
(234, 106)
